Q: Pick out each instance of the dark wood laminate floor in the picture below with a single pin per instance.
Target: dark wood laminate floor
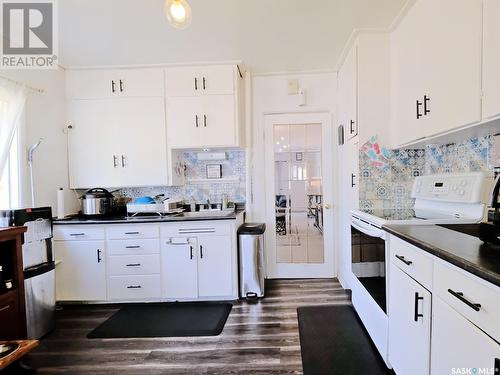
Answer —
(260, 338)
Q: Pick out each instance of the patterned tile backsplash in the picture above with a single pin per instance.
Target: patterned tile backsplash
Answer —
(232, 184)
(386, 176)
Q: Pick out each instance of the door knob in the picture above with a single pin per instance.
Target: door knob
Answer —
(327, 206)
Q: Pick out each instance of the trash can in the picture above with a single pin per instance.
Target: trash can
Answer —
(251, 260)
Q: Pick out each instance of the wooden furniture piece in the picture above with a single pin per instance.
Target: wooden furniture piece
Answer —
(12, 305)
(25, 346)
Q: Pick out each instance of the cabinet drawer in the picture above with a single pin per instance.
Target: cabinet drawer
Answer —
(9, 316)
(463, 292)
(134, 264)
(78, 232)
(134, 287)
(200, 227)
(122, 232)
(133, 247)
(412, 260)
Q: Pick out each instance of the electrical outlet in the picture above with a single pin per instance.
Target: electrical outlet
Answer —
(293, 87)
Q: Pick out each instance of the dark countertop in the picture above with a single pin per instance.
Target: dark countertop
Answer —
(463, 250)
(142, 219)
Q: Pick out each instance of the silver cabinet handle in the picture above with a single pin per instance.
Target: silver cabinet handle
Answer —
(5, 308)
(113, 88)
(195, 83)
(204, 83)
(132, 232)
(133, 265)
(115, 161)
(121, 86)
(134, 287)
(132, 247)
(404, 260)
(205, 121)
(123, 161)
(77, 234)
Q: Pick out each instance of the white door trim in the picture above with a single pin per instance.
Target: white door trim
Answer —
(328, 268)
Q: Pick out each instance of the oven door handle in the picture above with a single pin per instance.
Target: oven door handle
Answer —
(372, 232)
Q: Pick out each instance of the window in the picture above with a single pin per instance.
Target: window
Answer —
(10, 178)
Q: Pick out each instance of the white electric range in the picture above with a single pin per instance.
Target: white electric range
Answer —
(439, 199)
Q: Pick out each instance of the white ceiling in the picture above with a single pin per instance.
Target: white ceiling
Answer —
(268, 35)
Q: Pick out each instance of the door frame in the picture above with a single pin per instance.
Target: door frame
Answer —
(302, 270)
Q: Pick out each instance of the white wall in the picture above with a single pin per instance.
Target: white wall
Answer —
(45, 118)
(270, 96)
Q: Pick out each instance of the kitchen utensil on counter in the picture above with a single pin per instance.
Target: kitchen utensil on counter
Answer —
(144, 200)
(97, 202)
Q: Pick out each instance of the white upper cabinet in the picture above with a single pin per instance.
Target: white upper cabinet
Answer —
(110, 83)
(204, 107)
(363, 82)
(201, 80)
(435, 69)
(348, 94)
(115, 143)
(491, 59)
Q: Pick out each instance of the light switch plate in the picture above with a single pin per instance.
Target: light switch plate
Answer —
(293, 87)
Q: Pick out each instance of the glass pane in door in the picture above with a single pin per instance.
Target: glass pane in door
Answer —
(298, 192)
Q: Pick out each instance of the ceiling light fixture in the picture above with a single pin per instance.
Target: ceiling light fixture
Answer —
(178, 13)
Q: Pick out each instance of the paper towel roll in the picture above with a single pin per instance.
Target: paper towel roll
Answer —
(60, 203)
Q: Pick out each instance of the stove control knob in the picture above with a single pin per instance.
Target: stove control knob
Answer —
(454, 187)
(463, 183)
(461, 192)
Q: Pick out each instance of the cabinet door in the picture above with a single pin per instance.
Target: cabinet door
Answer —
(179, 269)
(451, 63)
(89, 84)
(184, 118)
(138, 82)
(406, 77)
(218, 125)
(409, 324)
(10, 317)
(81, 273)
(200, 80)
(348, 93)
(93, 150)
(491, 59)
(141, 131)
(218, 79)
(215, 266)
(458, 344)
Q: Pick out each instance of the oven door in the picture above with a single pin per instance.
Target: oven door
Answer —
(368, 258)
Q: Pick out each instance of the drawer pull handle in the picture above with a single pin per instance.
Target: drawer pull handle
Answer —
(133, 247)
(417, 314)
(132, 233)
(460, 296)
(134, 265)
(404, 260)
(5, 308)
(134, 287)
(77, 234)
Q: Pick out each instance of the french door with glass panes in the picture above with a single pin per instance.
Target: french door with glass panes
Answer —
(299, 190)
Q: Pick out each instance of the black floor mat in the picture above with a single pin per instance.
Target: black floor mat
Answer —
(333, 341)
(165, 320)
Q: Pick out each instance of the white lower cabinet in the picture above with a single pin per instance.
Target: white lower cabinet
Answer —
(461, 308)
(81, 270)
(214, 266)
(409, 324)
(459, 346)
(197, 267)
(179, 268)
(132, 262)
(135, 287)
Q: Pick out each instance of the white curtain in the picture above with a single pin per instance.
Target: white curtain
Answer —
(12, 100)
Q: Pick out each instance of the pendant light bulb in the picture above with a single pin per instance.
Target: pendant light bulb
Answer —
(178, 13)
